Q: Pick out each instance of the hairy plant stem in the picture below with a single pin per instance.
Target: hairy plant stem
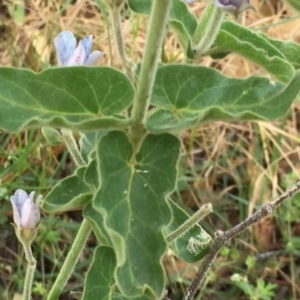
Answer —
(72, 147)
(82, 234)
(29, 272)
(115, 19)
(158, 21)
(70, 262)
(222, 238)
(207, 29)
(203, 211)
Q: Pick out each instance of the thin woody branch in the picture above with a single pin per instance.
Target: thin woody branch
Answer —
(222, 238)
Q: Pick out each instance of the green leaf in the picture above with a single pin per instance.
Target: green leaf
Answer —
(132, 202)
(91, 177)
(187, 95)
(99, 280)
(70, 193)
(194, 244)
(140, 6)
(88, 142)
(183, 22)
(97, 223)
(79, 98)
(290, 50)
(235, 38)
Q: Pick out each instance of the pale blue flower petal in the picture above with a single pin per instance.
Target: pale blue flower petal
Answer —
(78, 57)
(65, 44)
(94, 57)
(87, 44)
(19, 199)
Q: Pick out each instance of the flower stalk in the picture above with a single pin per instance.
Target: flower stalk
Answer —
(29, 272)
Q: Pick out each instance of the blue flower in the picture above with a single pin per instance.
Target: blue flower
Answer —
(69, 55)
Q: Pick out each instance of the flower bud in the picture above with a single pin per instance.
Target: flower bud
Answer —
(26, 212)
(233, 6)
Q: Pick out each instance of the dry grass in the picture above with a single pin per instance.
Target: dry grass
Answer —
(234, 166)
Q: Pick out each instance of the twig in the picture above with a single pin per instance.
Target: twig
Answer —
(222, 238)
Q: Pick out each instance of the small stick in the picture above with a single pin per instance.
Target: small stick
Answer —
(222, 238)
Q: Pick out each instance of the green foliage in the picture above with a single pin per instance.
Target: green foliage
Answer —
(263, 291)
(79, 98)
(70, 193)
(124, 187)
(187, 95)
(235, 38)
(183, 23)
(194, 244)
(132, 202)
(100, 279)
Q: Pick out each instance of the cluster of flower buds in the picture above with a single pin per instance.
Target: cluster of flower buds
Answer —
(70, 55)
(233, 6)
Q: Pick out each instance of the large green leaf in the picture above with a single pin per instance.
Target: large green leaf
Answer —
(235, 38)
(70, 193)
(186, 95)
(194, 244)
(80, 98)
(99, 279)
(132, 202)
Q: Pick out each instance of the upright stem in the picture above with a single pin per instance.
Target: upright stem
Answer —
(29, 272)
(70, 261)
(207, 29)
(155, 35)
